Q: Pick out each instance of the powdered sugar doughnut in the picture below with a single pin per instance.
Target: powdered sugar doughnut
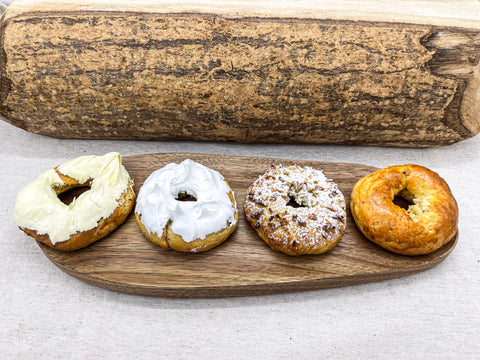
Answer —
(296, 210)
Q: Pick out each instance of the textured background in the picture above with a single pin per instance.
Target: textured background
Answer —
(47, 314)
(4, 4)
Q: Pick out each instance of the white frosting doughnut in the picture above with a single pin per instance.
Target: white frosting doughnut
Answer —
(210, 213)
(38, 207)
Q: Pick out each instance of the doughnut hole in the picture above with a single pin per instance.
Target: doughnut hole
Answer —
(69, 192)
(414, 204)
(404, 199)
(299, 196)
(293, 203)
(183, 196)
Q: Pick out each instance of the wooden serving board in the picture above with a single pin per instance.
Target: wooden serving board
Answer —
(308, 71)
(126, 261)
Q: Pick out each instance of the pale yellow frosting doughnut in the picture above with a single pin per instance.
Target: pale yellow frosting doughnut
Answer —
(39, 209)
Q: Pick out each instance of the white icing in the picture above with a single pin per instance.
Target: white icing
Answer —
(38, 207)
(211, 212)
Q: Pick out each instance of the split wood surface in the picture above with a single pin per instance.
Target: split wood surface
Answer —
(376, 73)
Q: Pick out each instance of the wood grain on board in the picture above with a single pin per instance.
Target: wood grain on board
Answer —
(348, 72)
(126, 261)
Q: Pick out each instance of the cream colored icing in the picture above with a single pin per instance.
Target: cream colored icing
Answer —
(212, 212)
(38, 207)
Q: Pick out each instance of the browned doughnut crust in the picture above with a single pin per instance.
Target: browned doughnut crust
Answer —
(104, 226)
(169, 240)
(429, 223)
(314, 228)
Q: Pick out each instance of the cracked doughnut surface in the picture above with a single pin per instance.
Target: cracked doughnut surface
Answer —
(429, 222)
(296, 210)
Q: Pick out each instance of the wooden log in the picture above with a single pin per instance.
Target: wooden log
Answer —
(356, 72)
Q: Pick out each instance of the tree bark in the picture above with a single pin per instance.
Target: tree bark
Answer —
(206, 76)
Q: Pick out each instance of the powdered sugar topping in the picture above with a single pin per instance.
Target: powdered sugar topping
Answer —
(296, 206)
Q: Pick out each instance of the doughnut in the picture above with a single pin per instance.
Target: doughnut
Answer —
(91, 216)
(296, 210)
(429, 222)
(205, 220)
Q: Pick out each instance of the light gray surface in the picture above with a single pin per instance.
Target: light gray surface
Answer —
(47, 314)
